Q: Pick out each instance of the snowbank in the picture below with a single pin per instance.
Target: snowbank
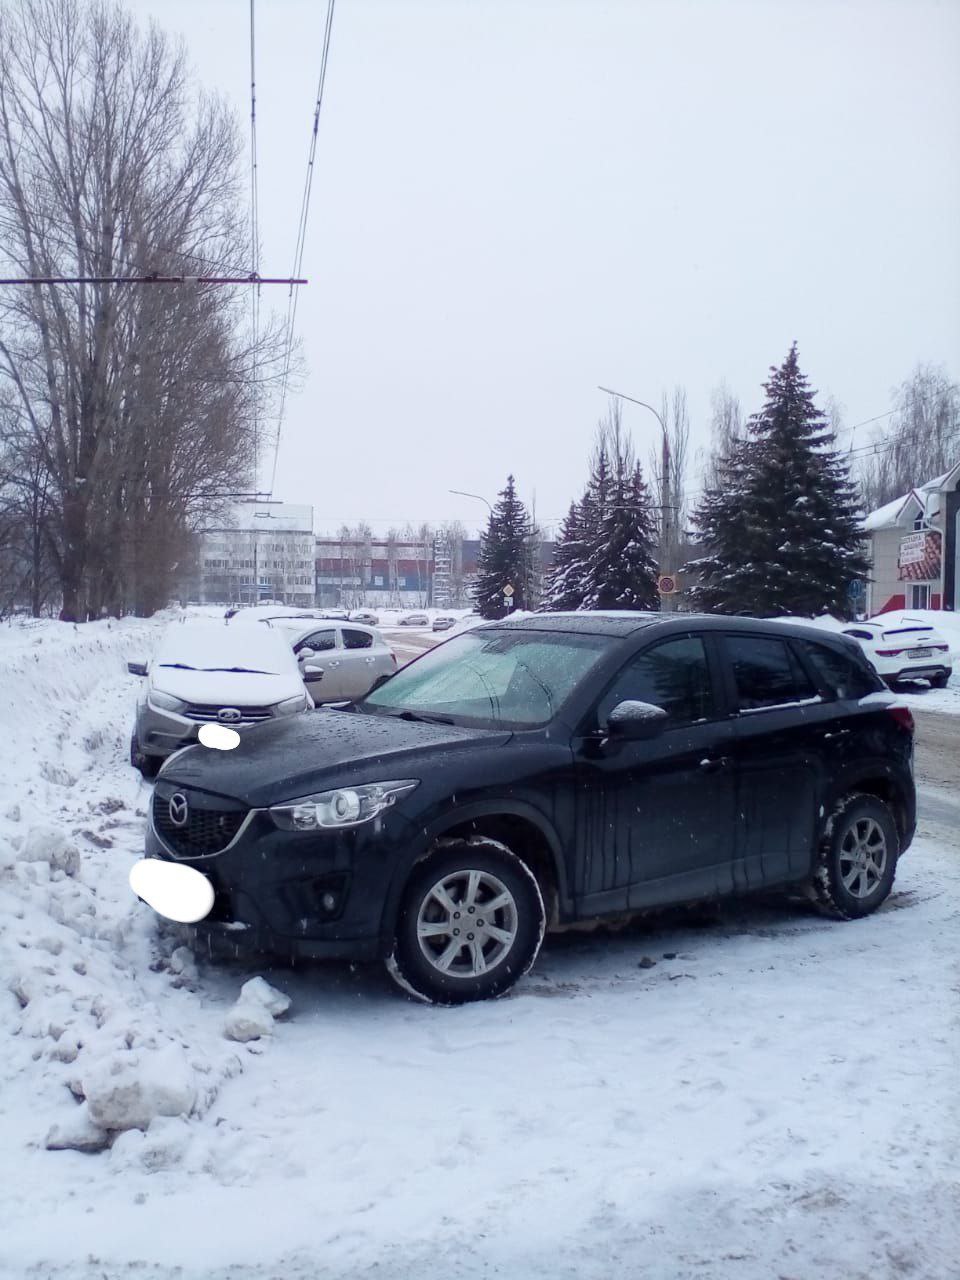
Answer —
(102, 1028)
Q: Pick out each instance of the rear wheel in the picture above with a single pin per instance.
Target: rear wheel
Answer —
(940, 681)
(857, 860)
(470, 925)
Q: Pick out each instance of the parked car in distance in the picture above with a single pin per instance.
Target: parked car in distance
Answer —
(443, 622)
(340, 661)
(542, 772)
(413, 620)
(271, 613)
(339, 615)
(207, 672)
(365, 616)
(908, 649)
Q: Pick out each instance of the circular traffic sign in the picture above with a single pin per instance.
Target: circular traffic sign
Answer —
(667, 585)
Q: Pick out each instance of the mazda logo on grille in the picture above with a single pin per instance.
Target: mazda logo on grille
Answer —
(179, 810)
(229, 715)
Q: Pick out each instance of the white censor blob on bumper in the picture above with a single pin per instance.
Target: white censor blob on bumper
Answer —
(219, 737)
(177, 892)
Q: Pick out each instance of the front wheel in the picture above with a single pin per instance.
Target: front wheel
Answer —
(470, 925)
(149, 766)
(857, 860)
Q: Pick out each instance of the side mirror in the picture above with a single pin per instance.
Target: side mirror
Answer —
(137, 668)
(635, 722)
(305, 653)
(311, 669)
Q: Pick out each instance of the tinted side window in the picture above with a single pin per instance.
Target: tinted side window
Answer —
(356, 639)
(318, 640)
(766, 672)
(673, 675)
(843, 676)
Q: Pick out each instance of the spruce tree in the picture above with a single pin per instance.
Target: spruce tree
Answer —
(503, 555)
(622, 573)
(781, 530)
(565, 581)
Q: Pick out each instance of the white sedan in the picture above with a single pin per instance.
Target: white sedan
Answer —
(340, 661)
(905, 649)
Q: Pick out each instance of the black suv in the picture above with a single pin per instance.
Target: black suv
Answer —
(534, 773)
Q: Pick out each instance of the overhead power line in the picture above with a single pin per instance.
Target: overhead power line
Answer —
(302, 235)
(153, 279)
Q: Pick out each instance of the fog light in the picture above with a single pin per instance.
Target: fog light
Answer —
(328, 901)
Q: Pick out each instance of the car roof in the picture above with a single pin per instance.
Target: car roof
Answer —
(623, 623)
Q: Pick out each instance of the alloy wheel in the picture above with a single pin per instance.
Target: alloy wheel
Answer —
(863, 857)
(467, 923)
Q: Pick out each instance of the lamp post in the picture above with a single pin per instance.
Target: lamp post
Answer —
(666, 520)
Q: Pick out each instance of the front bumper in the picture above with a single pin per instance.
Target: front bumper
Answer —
(310, 894)
(160, 732)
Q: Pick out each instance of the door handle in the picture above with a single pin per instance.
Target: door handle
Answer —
(840, 733)
(714, 764)
(334, 663)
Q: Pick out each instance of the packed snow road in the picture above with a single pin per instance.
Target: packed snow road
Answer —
(768, 1094)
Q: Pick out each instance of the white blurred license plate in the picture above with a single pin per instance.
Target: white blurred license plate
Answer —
(918, 653)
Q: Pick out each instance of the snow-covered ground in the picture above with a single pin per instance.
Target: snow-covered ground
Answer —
(774, 1096)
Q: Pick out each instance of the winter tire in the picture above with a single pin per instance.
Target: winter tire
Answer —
(470, 924)
(149, 766)
(857, 859)
(940, 681)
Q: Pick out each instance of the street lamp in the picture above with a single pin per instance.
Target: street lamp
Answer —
(666, 550)
(479, 497)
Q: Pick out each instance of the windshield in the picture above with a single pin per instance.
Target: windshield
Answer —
(220, 647)
(491, 679)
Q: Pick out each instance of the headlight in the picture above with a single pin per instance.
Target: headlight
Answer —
(290, 706)
(345, 807)
(164, 701)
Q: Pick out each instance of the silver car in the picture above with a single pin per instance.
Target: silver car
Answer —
(340, 661)
(210, 672)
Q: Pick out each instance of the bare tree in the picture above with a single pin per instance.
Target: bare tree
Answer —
(726, 428)
(138, 400)
(672, 497)
(921, 442)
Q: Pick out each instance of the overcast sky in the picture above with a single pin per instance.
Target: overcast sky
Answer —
(516, 200)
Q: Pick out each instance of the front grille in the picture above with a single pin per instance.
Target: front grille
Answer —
(248, 715)
(206, 830)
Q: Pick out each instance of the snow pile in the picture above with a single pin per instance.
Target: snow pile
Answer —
(102, 1025)
(254, 1013)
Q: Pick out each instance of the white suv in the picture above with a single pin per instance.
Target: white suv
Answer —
(904, 649)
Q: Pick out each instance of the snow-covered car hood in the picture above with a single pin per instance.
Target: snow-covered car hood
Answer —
(226, 688)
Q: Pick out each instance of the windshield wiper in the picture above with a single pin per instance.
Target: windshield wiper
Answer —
(180, 666)
(421, 715)
(249, 671)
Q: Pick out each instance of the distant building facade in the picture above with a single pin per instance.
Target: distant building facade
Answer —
(352, 573)
(258, 552)
(913, 544)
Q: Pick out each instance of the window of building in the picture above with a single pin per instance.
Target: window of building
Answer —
(919, 595)
(766, 672)
(673, 675)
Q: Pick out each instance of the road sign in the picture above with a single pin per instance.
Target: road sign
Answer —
(855, 589)
(508, 591)
(667, 585)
